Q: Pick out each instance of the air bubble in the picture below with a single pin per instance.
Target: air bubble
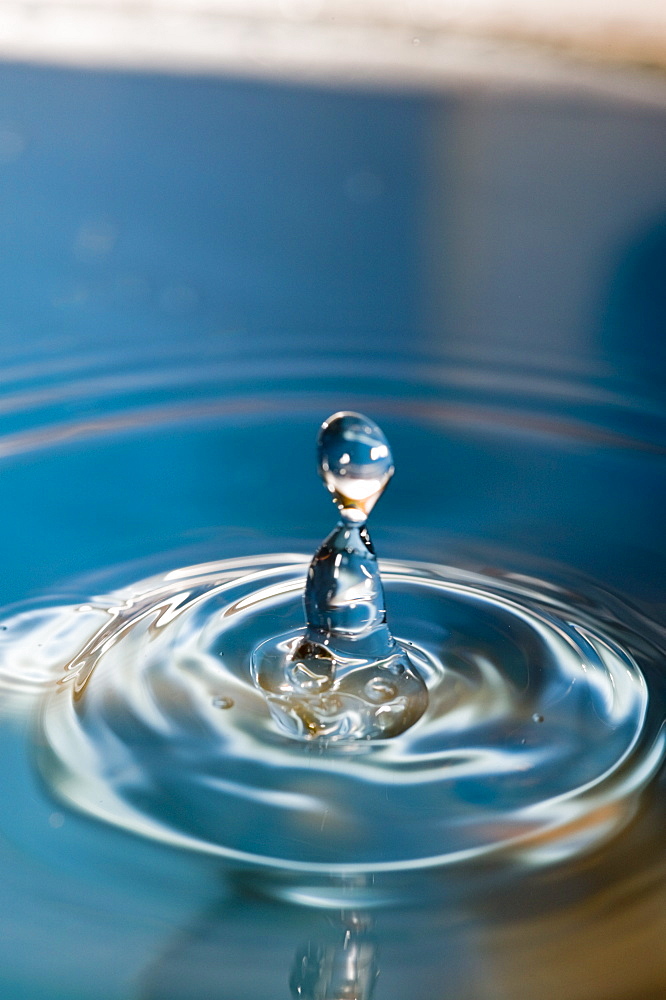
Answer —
(379, 689)
(223, 702)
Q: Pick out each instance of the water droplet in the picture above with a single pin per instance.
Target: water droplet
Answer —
(537, 718)
(56, 820)
(222, 702)
(355, 463)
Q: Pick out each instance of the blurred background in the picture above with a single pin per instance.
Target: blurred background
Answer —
(328, 36)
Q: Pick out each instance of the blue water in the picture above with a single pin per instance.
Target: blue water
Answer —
(195, 271)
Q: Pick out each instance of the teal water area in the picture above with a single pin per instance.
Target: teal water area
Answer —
(194, 272)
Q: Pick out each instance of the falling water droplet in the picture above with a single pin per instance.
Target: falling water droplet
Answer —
(355, 463)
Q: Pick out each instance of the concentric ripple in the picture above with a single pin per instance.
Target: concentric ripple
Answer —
(536, 742)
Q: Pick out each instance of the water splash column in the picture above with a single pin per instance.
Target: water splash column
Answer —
(344, 676)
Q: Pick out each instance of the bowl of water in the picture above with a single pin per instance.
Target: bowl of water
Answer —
(198, 270)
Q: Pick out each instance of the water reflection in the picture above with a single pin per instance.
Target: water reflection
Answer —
(344, 966)
(545, 936)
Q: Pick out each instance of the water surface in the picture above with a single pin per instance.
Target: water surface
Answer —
(195, 271)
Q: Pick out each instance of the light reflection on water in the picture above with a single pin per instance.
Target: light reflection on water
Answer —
(188, 289)
(540, 734)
